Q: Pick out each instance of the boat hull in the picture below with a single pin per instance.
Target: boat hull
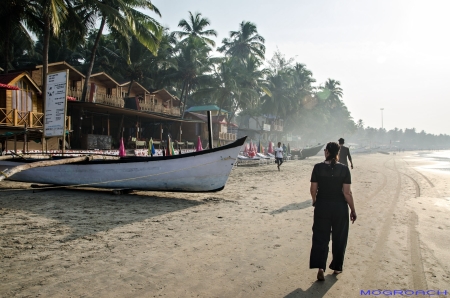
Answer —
(193, 172)
(307, 152)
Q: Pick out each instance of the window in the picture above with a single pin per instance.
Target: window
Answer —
(21, 100)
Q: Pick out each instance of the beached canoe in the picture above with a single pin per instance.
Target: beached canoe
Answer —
(307, 152)
(202, 171)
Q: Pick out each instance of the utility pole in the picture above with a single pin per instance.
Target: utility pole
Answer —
(381, 117)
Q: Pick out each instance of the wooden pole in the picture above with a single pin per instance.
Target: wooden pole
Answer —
(210, 134)
(25, 140)
(120, 134)
(9, 172)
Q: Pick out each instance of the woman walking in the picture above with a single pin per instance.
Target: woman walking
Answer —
(331, 196)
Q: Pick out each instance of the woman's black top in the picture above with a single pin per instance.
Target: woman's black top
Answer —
(330, 180)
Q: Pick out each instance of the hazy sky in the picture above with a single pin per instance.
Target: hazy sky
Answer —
(389, 54)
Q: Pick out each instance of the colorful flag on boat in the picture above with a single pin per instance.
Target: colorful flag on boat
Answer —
(199, 145)
(151, 148)
(169, 146)
(122, 151)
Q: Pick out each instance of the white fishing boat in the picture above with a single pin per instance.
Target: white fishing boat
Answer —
(203, 171)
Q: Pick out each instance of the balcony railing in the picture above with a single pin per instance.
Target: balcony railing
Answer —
(149, 107)
(277, 127)
(109, 100)
(106, 99)
(21, 118)
(116, 101)
(16, 118)
(227, 136)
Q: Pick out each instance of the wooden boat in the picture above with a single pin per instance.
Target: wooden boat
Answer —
(203, 171)
(307, 152)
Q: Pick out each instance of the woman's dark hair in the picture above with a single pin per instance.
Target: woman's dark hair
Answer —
(333, 152)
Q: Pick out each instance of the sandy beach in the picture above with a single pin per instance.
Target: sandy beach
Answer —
(252, 239)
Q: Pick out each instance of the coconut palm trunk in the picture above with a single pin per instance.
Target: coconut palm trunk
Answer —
(186, 92)
(45, 58)
(91, 63)
(6, 45)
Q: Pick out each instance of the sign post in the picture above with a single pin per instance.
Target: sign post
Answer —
(56, 106)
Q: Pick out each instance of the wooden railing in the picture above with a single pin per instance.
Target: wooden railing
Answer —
(21, 118)
(106, 99)
(109, 100)
(277, 127)
(149, 107)
(73, 92)
(17, 118)
(116, 101)
(227, 136)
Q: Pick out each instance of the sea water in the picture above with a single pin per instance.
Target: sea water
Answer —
(441, 159)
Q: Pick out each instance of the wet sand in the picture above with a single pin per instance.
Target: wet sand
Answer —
(250, 240)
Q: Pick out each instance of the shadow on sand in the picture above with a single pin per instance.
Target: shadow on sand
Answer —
(293, 206)
(86, 212)
(316, 290)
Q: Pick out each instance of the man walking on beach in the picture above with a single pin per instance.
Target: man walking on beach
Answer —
(279, 155)
(344, 152)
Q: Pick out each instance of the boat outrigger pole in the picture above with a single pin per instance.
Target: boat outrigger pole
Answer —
(9, 172)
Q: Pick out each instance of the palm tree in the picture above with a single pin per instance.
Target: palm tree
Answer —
(281, 103)
(123, 20)
(195, 26)
(193, 62)
(332, 92)
(14, 15)
(244, 43)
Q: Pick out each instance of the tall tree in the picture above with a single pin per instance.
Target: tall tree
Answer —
(15, 15)
(193, 62)
(124, 20)
(244, 42)
(195, 27)
(332, 92)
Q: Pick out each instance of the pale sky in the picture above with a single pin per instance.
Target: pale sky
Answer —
(391, 54)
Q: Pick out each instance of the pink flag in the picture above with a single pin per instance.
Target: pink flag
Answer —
(246, 148)
(270, 149)
(199, 145)
(122, 152)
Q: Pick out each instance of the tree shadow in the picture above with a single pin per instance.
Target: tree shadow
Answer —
(76, 213)
(293, 206)
(317, 289)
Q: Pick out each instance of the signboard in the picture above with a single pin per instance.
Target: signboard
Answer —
(266, 127)
(55, 104)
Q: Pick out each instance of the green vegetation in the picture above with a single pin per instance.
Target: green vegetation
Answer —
(234, 76)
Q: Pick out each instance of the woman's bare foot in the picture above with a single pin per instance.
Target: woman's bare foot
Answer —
(320, 275)
(337, 272)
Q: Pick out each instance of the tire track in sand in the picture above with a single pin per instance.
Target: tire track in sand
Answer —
(382, 238)
(418, 273)
(423, 176)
